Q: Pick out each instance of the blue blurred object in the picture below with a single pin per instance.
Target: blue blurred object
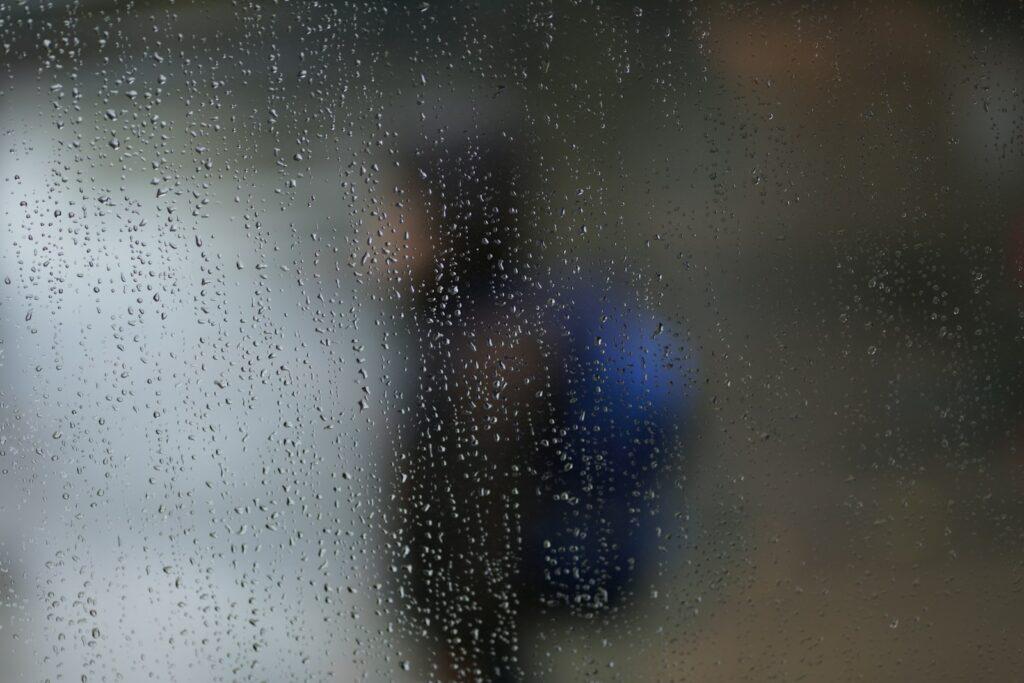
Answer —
(624, 409)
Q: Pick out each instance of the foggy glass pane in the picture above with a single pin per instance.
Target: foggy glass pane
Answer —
(511, 341)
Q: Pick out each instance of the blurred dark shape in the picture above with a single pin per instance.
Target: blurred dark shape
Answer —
(623, 402)
(547, 414)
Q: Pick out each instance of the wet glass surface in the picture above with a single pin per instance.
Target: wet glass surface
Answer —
(510, 341)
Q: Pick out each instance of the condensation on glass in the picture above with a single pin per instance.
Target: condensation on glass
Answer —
(583, 341)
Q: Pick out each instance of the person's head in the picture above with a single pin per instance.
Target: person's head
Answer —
(452, 215)
(462, 201)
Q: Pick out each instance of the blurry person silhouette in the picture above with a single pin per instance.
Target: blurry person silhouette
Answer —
(547, 414)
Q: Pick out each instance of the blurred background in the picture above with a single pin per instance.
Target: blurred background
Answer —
(203, 369)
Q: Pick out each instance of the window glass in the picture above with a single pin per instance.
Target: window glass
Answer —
(568, 341)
